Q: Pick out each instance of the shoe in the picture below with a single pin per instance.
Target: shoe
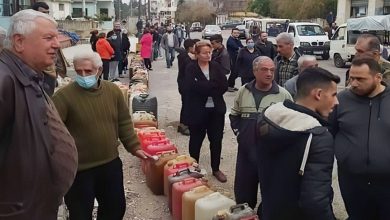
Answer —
(115, 80)
(183, 130)
(150, 69)
(121, 76)
(220, 176)
(231, 89)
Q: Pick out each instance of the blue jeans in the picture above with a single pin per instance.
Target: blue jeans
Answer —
(169, 56)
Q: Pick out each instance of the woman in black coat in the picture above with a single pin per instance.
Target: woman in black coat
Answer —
(205, 85)
(244, 61)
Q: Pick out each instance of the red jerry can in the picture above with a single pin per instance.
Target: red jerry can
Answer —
(153, 149)
(191, 172)
(254, 217)
(178, 190)
(154, 171)
(179, 163)
(149, 132)
(153, 140)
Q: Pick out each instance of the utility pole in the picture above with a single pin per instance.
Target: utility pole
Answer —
(149, 17)
(131, 8)
(139, 9)
(83, 9)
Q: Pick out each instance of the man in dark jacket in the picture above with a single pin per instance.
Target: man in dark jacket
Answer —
(117, 42)
(38, 156)
(249, 103)
(183, 59)
(220, 54)
(296, 153)
(233, 44)
(265, 47)
(361, 129)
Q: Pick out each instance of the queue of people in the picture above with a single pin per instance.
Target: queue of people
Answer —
(286, 142)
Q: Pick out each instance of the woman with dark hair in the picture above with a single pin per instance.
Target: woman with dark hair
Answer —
(105, 51)
(146, 48)
(204, 85)
(245, 57)
(93, 39)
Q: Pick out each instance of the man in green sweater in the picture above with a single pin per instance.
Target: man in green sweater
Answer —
(96, 115)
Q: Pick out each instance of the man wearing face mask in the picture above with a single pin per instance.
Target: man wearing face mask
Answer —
(95, 113)
(245, 58)
(118, 45)
(169, 42)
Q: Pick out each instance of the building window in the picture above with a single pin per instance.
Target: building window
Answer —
(386, 10)
(104, 12)
(61, 7)
(358, 11)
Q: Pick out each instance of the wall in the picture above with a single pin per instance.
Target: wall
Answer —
(77, 25)
(60, 15)
(91, 7)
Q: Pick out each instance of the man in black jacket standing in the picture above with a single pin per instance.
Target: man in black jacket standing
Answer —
(265, 47)
(233, 44)
(361, 127)
(296, 153)
(220, 54)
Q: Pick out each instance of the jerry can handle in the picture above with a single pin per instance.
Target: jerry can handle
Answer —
(165, 153)
(188, 180)
(144, 95)
(200, 188)
(181, 157)
(178, 173)
(238, 207)
(181, 165)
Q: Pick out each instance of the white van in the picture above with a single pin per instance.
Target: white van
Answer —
(310, 38)
(342, 46)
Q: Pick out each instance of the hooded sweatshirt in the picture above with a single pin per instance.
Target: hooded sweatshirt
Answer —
(295, 164)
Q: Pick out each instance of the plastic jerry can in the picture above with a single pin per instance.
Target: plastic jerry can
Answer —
(145, 102)
(153, 140)
(179, 163)
(253, 217)
(221, 215)
(240, 211)
(189, 199)
(177, 193)
(208, 206)
(181, 175)
(149, 132)
(154, 171)
(160, 146)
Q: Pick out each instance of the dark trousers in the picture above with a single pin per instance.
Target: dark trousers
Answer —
(214, 124)
(106, 68)
(184, 109)
(365, 199)
(233, 74)
(105, 183)
(169, 56)
(246, 182)
(148, 63)
(120, 67)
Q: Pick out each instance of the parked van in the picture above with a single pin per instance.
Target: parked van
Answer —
(342, 46)
(273, 26)
(310, 38)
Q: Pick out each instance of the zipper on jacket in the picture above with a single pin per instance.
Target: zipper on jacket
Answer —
(368, 136)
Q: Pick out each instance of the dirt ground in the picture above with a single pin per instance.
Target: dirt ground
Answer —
(141, 203)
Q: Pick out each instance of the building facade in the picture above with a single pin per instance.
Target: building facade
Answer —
(358, 8)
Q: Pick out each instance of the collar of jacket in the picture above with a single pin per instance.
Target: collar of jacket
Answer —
(293, 117)
(16, 64)
(274, 89)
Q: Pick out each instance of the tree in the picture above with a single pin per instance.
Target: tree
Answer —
(261, 7)
(185, 13)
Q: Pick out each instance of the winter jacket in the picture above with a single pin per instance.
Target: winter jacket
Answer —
(104, 49)
(146, 45)
(198, 89)
(244, 114)
(183, 59)
(360, 125)
(244, 66)
(222, 57)
(38, 156)
(233, 45)
(291, 71)
(117, 45)
(291, 186)
(291, 86)
(164, 41)
(266, 49)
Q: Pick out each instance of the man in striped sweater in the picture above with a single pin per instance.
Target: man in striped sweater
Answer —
(96, 115)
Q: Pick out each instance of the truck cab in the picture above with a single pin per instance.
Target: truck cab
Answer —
(310, 38)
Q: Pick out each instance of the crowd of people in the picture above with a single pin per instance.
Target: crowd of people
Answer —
(289, 121)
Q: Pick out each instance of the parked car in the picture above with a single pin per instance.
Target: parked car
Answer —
(210, 30)
(230, 24)
(310, 38)
(196, 27)
(241, 28)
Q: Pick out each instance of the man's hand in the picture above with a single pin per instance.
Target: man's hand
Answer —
(140, 154)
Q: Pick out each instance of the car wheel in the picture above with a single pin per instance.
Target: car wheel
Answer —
(338, 61)
(325, 56)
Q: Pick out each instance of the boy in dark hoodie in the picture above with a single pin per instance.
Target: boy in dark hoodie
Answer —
(296, 151)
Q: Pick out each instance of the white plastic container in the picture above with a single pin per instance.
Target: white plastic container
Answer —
(207, 207)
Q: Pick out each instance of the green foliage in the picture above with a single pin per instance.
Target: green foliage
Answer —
(261, 7)
(185, 13)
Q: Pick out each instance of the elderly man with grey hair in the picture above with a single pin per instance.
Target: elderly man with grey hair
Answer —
(251, 100)
(304, 62)
(96, 115)
(286, 61)
(38, 157)
(3, 35)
